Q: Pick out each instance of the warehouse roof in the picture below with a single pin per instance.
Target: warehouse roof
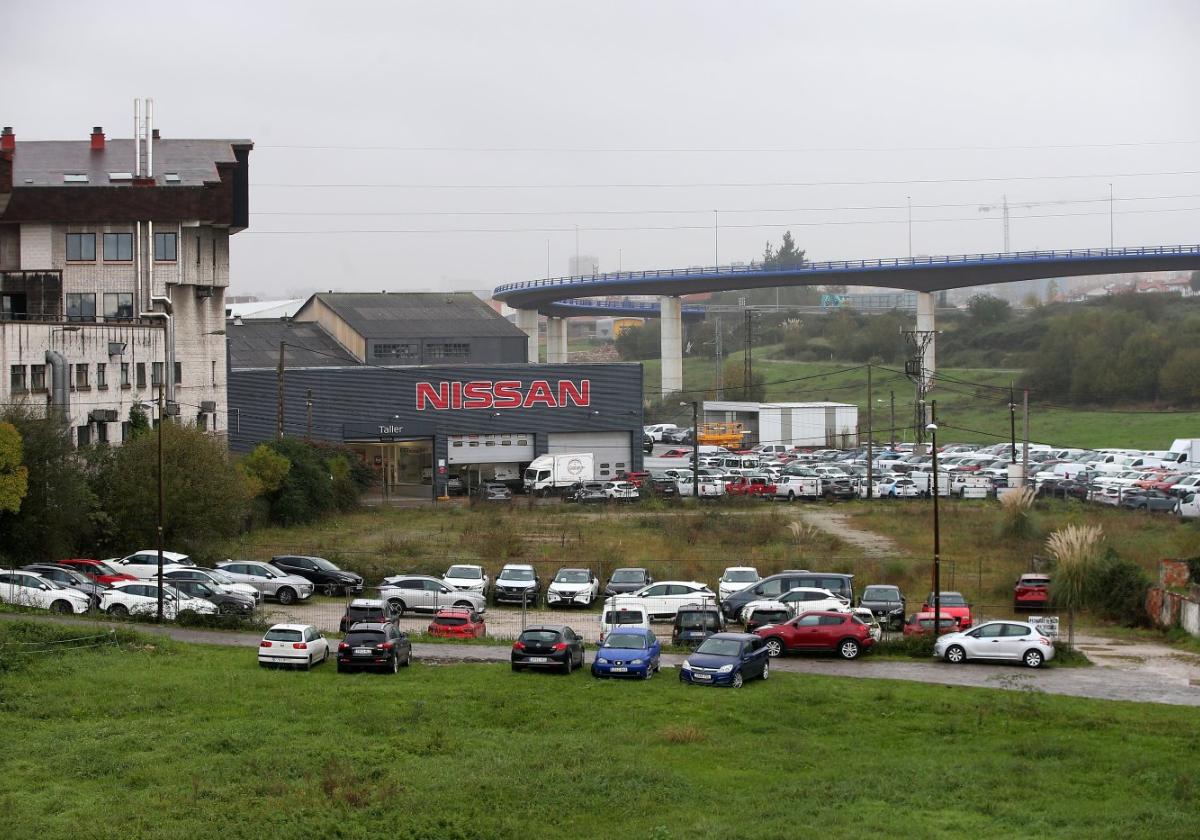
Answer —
(382, 315)
(255, 344)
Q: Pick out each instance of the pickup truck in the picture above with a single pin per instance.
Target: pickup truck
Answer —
(751, 485)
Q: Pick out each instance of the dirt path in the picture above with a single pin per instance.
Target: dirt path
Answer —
(838, 524)
(1153, 662)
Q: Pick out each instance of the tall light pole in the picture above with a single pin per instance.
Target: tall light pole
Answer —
(695, 448)
(161, 419)
(909, 227)
(716, 239)
(937, 544)
(1110, 217)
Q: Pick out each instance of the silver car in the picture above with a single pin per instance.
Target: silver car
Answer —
(1015, 641)
(422, 593)
(270, 580)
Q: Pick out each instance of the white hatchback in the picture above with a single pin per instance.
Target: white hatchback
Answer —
(297, 645)
(1014, 641)
(663, 599)
(29, 589)
(619, 615)
(735, 579)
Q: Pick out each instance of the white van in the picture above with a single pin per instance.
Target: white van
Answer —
(655, 432)
(1189, 506)
(623, 615)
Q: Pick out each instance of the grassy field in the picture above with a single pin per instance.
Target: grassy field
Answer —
(960, 407)
(167, 740)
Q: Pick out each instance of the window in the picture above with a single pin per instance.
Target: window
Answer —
(118, 306)
(141, 374)
(395, 351)
(178, 372)
(81, 247)
(81, 307)
(214, 372)
(202, 421)
(451, 350)
(75, 178)
(81, 375)
(126, 427)
(101, 375)
(156, 374)
(124, 374)
(37, 377)
(18, 378)
(164, 247)
(118, 246)
(102, 433)
(82, 436)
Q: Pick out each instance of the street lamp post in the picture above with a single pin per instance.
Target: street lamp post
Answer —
(695, 448)
(937, 546)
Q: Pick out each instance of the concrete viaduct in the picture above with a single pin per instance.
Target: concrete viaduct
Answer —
(559, 299)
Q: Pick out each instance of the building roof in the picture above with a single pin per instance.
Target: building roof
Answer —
(264, 308)
(387, 315)
(255, 344)
(43, 163)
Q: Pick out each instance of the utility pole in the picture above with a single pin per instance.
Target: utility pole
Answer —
(716, 238)
(748, 366)
(161, 419)
(279, 398)
(937, 536)
(308, 411)
(893, 400)
(1012, 421)
(720, 377)
(696, 449)
(1025, 448)
(870, 437)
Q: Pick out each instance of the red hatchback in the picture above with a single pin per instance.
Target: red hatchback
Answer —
(1032, 591)
(458, 624)
(921, 624)
(954, 605)
(96, 570)
(827, 632)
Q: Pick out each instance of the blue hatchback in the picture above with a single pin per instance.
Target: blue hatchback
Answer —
(727, 659)
(628, 652)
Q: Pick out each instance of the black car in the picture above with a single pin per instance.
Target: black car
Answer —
(374, 646)
(372, 610)
(227, 603)
(548, 646)
(622, 581)
(696, 622)
(1150, 500)
(762, 616)
(771, 588)
(663, 488)
(71, 579)
(1064, 488)
(325, 576)
(887, 603)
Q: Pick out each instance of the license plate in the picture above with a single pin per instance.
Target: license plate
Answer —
(619, 670)
(538, 660)
(702, 677)
(363, 651)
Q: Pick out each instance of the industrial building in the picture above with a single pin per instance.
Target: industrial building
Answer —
(811, 424)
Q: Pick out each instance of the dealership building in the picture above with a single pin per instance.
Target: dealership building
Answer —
(417, 425)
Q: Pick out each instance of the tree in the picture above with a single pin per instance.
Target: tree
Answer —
(139, 420)
(1051, 291)
(1177, 379)
(788, 255)
(265, 470)
(988, 310)
(1194, 283)
(1075, 550)
(14, 475)
(638, 343)
(734, 384)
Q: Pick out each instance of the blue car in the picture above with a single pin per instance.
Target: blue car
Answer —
(627, 652)
(727, 659)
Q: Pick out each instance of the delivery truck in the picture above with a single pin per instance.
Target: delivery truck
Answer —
(549, 474)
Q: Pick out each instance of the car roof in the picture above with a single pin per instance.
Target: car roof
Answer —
(366, 602)
(573, 569)
(630, 569)
(368, 625)
(289, 627)
(517, 566)
(739, 637)
(822, 612)
(741, 569)
(557, 628)
(1035, 576)
(166, 554)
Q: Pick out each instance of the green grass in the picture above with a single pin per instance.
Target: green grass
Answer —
(177, 741)
(960, 407)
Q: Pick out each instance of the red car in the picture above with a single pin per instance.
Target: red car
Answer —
(1032, 591)
(96, 570)
(921, 624)
(953, 604)
(676, 453)
(750, 486)
(820, 631)
(458, 624)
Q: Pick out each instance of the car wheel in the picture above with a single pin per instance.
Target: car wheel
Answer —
(791, 496)
(956, 655)
(308, 664)
(329, 589)
(766, 674)
(286, 595)
(848, 649)
(408, 658)
(738, 680)
(61, 607)
(570, 666)
(226, 608)
(118, 610)
(397, 607)
(395, 664)
(1033, 658)
(774, 647)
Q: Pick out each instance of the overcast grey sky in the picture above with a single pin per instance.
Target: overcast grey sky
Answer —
(603, 96)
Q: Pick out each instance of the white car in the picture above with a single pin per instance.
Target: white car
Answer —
(664, 598)
(791, 486)
(711, 487)
(572, 588)
(141, 598)
(762, 604)
(217, 579)
(29, 589)
(467, 578)
(735, 579)
(655, 432)
(621, 491)
(1007, 640)
(300, 645)
(271, 581)
(1188, 507)
(868, 618)
(811, 599)
(144, 564)
(619, 614)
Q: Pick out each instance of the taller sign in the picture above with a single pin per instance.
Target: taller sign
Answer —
(507, 393)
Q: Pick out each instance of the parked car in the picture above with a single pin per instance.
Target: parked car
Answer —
(141, 598)
(735, 579)
(1007, 640)
(622, 581)
(647, 444)
(466, 577)
(773, 586)
(292, 645)
(97, 570)
(572, 587)
(226, 603)
(271, 581)
(622, 616)
(696, 622)
(325, 576)
(423, 593)
(1189, 506)
(629, 652)
(886, 602)
(751, 485)
(810, 599)
(217, 580)
(664, 598)
(621, 491)
(376, 646)
(1154, 501)
(823, 631)
(921, 624)
(493, 491)
(585, 492)
(456, 623)
(952, 604)
(517, 583)
(29, 589)
(144, 564)
(1032, 591)
(547, 646)
(768, 613)
(70, 579)
(369, 610)
(726, 659)
(868, 618)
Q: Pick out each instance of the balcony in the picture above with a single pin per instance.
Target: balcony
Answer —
(31, 296)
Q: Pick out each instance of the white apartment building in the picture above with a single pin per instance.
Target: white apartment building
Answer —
(114, 261)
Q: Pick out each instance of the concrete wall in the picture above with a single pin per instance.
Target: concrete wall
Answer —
(343, 333)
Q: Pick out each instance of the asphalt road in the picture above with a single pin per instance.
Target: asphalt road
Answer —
(1101, 682)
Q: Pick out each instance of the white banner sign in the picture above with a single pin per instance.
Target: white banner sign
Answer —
(1047, 625)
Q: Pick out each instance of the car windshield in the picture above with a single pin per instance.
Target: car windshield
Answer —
(572, 576)
(628, 576)
(628, 641)
(196, 589)
(740, 576)
(951, 599)
(364, 637)
(277, 634)
(541, 636)
(720, 647)
(874, 593)
(324, 565)
(465, 572)
(927, 623)
(697, 620)
(450, 621)
(99, 568)
(361, 612)
(770, 616)
(220, 577)
(516, 574)
(624, 617)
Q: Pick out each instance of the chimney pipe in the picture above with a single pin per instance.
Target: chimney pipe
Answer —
(98, 139)
(154, 134)
(8, 140)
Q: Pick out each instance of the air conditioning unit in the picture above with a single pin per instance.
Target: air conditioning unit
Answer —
(204, 291)
(208, 407)
(171, 409)
(103, 415)
(116, 348)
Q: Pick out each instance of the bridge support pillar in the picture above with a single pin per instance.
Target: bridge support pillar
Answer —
(927, 330)
(556, 341)
(671, 321)
(527, 322)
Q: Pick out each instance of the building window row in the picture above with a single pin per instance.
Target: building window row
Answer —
(118, 306)
(118, 247)
(449, 350)
(23, 379)
(396, 351)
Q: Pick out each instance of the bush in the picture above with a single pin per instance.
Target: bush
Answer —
(1119, 590)
(916, 647)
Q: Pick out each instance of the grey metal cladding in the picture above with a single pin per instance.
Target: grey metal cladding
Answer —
(255, 344)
